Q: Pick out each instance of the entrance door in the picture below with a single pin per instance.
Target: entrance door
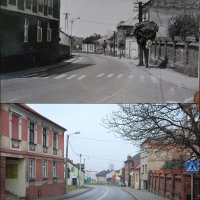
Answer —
(74, 181)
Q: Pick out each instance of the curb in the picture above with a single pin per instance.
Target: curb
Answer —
(130, 194)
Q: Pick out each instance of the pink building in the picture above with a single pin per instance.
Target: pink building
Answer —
(32, 154)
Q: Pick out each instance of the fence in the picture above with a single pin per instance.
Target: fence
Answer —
(176, 54)
(173, 184)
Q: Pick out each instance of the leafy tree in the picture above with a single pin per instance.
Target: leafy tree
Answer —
(175, 126)
(173, 164)
(144, 31)
(183, 26)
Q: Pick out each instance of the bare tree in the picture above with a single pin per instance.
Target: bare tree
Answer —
(165, 126)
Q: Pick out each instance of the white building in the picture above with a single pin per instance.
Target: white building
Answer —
(90, 176)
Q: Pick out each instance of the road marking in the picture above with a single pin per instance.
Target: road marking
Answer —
(120, 75)
(110, 75)
(154, 79)
(171, 101)
(100, 75)
(61, 76)
(104, 195)
(189, 100)
(71, 77)
(130, 76)
(142, 78)
(81, 77)
(10, 100)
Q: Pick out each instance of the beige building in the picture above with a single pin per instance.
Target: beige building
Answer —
(74, 173)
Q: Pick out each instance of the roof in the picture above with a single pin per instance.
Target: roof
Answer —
(92, 39)
(128, 23)
(103, 173)
(26, 107)
(135, 160)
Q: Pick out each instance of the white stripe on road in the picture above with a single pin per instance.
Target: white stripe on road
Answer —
(104, 195)
(154, 79)
(142, 78)
(81, 77)
(71, 77)
(110, 75)
(130, 76)
(61, 76)
(100, 75)
(120, 75)
(172, 91)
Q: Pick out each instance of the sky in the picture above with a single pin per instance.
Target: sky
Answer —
(96, 16)
(98, 146)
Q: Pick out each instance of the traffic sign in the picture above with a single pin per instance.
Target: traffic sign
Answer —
(192, 167)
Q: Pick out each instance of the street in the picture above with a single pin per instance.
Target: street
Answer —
(104, 193)
(91, 79)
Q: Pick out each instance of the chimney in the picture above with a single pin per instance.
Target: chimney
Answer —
(129, 157)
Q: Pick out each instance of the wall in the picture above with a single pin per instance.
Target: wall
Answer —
(173, 184)
(2, 178)
(64, 45)
(182, 56)
(17, 54)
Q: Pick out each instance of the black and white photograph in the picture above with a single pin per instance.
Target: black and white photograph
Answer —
(99, 51)
(100, 100)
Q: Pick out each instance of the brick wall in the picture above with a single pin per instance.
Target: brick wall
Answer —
(173, 184)
(2, 178)
(182, 56)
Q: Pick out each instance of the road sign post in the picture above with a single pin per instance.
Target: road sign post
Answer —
(192, 168)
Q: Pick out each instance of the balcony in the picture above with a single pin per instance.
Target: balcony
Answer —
(16, 144)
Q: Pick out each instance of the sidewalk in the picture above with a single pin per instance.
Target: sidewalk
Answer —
(167, 75)
(69, 195)
(39, 69)
(142, 194)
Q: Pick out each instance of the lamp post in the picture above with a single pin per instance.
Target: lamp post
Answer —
(72, 21)
(66, 160)
(66, 21)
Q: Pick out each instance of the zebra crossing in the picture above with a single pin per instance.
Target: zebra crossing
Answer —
(108, 76)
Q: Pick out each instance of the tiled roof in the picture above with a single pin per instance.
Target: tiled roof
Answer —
(103, 173)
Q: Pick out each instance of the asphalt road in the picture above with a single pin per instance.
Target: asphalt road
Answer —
(94, 79)
(104, 193)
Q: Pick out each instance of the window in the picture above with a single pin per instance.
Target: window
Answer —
(26, 25)
(34, 6)
(72, 169)
(32, 133)
(39, 32)
(55, 141)
(40, 5)
(54, 169)
(50, 7)
(44, 169)
(49, 31)
(44, 137)
(31, 168)
(12, 2)
(28, 4)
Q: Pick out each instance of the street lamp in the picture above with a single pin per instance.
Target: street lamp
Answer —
(72, 21)
(66, 161)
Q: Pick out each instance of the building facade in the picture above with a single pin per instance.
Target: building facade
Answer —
(32, 154)
(29, 33)
(75, 174)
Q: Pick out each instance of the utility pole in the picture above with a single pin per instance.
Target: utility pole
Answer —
(80, 172)
(114, 43)
(66, 21)
(66, 163)
(141, 63)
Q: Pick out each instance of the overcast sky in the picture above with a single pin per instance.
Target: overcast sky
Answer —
(87, 119)
(96, 16)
